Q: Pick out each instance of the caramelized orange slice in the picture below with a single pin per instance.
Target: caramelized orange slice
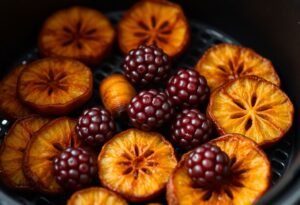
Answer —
(55, 86)
(94, 196)
(12, 151)
(250, 178)
(77, 32)
(10, 105)
(44, 146)
(252, 107)
(158, 22)
(224, 62)
(136, 164)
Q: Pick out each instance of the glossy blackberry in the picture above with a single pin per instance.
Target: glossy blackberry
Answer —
(150, 109)
(208, 166)
(190, 129)
(95, 126)
(187, 88)
(146, 64)
(75, 168)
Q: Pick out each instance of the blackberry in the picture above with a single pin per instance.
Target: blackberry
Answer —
(190, 129)
(150, 109)
(146, 64)
(208, 166)
(95, 126)
(75, 168)
(187, 88)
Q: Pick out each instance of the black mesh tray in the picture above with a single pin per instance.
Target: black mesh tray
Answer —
(202, 37)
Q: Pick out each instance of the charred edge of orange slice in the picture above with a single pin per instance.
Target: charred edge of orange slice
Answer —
(57, 109)
(27, 171)
(6, 180)
(201, 61)
(163, 2)
(80, 193)
(221, 130)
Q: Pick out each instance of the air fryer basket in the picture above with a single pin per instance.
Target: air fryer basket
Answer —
(283, 155)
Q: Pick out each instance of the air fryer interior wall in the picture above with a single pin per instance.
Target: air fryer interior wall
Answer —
(272, 28)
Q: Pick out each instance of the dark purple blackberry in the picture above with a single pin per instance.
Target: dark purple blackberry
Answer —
(208, 166)
(95, 126)
(146, 64)
(150, 109)
(187, 88)
(75, 168)
(190, 129)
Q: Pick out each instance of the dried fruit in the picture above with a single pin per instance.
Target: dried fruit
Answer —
(75, 168)
(10, 105)
(190, 129)
(45, 145)
(161, 23)
(77, 32)
(55, 86)
(136, 164)
(187, 88)
(249, 180)
(252, 107)
(12, 151)
(95, 195)
(150, 109)
(146, 65)
(224, 62)
(95, 126)
(116, 93)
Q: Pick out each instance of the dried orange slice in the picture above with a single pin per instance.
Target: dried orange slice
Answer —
(77, 32)
(252, 107)
(158, 22)
(44, 146)
(224, 62)
(55, 86)
(250, 178)
(96, 195)
(12, 151)
(136, 164)
(10, 105)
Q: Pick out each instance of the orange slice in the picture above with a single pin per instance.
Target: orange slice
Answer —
(224, 62)
(158, 22)
(252, 107)
(250, 178)
(136, 164)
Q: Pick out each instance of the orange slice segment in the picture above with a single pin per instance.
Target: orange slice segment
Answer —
(136, 164)
(44, 146)
(12, 151)
(251, 176)
(94, 196)
(10, 105)
(55, 86)
(252, 107)
(158, 22)
(77, 32)
(224, 62)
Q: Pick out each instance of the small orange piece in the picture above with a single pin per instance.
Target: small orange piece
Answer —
(136, 164)
(95, 196)
(12, 151)
(77, 32)
(10, 105)
(250, 178)
(116, 93)
(55, 86)
(224, 62)
(158, 22)
(43, 147)
(252, 107)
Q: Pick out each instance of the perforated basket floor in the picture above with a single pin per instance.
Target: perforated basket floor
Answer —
(203, 37)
